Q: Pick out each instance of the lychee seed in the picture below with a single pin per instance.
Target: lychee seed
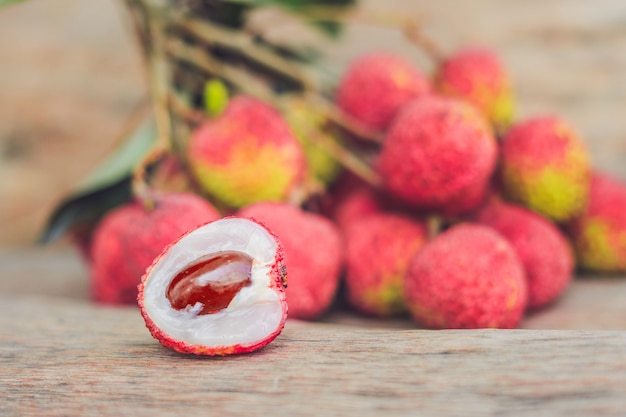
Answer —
(199, 282)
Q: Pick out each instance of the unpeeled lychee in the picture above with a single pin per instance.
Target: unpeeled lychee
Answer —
(545, 167)
(439, 154)
(599, 232)
(376, 85)
(467, 277)
(313, 255)
(128, 238)
(247, 154)
(541, 247)
(378, 250)
(309, 127)
(217, 290)
(351, 199)
(478, 76)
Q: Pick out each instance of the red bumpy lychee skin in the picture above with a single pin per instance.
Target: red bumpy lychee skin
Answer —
(351, 199)
(545, 167)
(247, 154)
(375, 86)
(439, 154)
(378, 250)
(313, 255)
(467, 277)
(477, 75)
(599, 232)
(217, 290)
(541, 247)
(128, 238)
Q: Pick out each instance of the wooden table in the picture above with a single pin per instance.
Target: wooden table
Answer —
(61, 355)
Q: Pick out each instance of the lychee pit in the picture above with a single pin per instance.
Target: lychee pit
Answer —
(209, 285)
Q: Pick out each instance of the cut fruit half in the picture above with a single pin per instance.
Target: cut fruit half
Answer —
(217, 290)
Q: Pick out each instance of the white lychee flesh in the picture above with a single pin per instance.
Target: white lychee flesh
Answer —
(255, 315)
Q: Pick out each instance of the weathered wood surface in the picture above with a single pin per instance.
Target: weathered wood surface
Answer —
(61, 355)
(66, 357)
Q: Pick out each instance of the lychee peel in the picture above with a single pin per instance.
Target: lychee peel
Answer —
(467, 277)
(247, 154)
(478, 76)
(542, 248)
(438, 155)
(127, 240)
(546, 167)
(376, 85)
(314, 255)
(254, 316)
(599, 232)
(303, 120)
(378, 250)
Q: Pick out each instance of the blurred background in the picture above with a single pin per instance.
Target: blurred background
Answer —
(71, 75)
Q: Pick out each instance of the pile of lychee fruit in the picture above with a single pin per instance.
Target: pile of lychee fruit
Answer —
(476, 218)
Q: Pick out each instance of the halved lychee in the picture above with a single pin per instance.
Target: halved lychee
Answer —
(218, 290)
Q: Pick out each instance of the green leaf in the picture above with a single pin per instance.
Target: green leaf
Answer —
(107, 187)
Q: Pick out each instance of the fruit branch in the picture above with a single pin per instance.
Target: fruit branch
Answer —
(243, 81)
(140, 186)
(244, 45)
(407, 25)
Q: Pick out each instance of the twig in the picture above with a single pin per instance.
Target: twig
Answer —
(416, 36)
(140, 187)
(245, 45)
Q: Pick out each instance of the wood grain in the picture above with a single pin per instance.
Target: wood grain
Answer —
(66, 357)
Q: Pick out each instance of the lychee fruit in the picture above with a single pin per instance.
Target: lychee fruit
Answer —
(438, 155)
(478, 76)
(599, 232)
(313, 255)
(541, 247)
(217, 290)
(378, 250)
(351, 199)
(128, 238)
(247, 154)
(306, 123)
(467, 277)
(376, 85)
(545, 167)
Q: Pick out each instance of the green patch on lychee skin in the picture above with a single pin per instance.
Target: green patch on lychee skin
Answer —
(388, 299)
(430, 317)
(595, 248)
(559, 194)
(502, 112)
(303, 121)
(252, 174)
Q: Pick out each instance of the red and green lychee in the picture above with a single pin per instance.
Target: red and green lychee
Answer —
(478, 76)
(599, 232)
(217, 290)
(310, 128)
(467, 277)
(378, 250)
(128, 239)
(438, 155)
(545, 166)
(376, 85)
(314, 255)
(542, 248)
(247, 154)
